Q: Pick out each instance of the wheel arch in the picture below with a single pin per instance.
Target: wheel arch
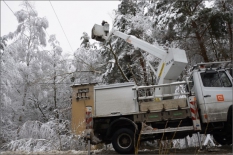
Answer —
(121, 122)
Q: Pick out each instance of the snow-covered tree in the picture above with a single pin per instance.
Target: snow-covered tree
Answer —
(60, 79)
(87, 62)
(132, 18)
(205, 32)
(85, 40)
(19, 62)
(34, 81)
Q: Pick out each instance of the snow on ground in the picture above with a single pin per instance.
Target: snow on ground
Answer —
(192, 150)
(50, 152)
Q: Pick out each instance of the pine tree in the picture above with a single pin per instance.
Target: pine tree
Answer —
(130, 63)
(204, 32)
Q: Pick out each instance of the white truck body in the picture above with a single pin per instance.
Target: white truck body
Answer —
(114, 99)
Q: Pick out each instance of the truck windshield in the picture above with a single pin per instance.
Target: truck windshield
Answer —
(216, 79)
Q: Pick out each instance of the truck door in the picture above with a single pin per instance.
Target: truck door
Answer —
(217, 94)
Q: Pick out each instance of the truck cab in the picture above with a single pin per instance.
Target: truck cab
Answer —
(212, 86)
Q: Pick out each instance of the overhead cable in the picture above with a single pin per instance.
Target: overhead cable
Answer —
(63, 32)
(60, 25)
(66, 36)
(8, 7)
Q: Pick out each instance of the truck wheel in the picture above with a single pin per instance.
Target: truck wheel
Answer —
(223, 139)
(123, 141)
(229, 121)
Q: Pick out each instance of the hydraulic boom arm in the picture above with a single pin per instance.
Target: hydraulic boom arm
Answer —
(138, 43)
(173, 60)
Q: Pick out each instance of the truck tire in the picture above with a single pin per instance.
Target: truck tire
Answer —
(123, 141)
(229, 121)
(223, 139)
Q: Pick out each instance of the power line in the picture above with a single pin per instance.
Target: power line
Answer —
(69, 42)
(46, 31)
(9, 7)
(13, 14)
(33, 11)
(60, 24)
(23, 33)
(42, 83)
(61, 27)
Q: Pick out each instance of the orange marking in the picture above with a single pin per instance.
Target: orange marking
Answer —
(220, 97)
(206, 116)
(88, 120)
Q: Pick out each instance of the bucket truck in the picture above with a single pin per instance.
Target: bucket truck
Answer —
(124, 114)
(173, 60)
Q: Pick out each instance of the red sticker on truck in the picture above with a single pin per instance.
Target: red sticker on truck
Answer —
(220, 97)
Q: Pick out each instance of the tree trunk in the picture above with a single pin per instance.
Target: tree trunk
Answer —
(134, 78)
(200, 42)
(25, 93)
(214, 47)
(229, 32)
(142, 62)
(26, 77)
(230, 39)
(54, 83)
(55, 92)
(119, 67)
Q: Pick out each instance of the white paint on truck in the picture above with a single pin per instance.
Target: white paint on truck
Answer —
(115, 99)
(214, 94)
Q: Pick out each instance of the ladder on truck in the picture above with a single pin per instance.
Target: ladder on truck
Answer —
(148, 93)
(219, 65)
